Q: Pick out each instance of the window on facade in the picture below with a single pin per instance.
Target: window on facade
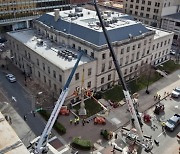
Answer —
(167, 51)
(147, 16)
(143, 1)
(55, 88)
(121, 61)
(143, 52)
(145, 42)
(79, 48)
(92, 54)
(85, 50)
(139, 45)
(131, 6)
(163, 52)
(39, 75)
(17, 46)
(132, 0)
(130, 12)
(142, 63)
(142, 8)
(127, 59)
(148, 9)
(132, 57)
(137, 56)
(38, 62)
(60, 78)
(165, 42)
(169, 41)
(49, 83)
(136, 13)
(44, 79)
(147, 51)
(134, 46)
(128, 49)
(77, 76)
(54, 74)
(109, 77)
(137, 1)
(103, 67)
(103, 56)
(29, 55)
(141, 14)
(136, 66)
(153, 47)
(149, 2)
(157, 46)
(122, 51)
(89, 71)
(131, 68)
(89, 84)
(125, 71)
(102, 80)
(73, 46)
(151, 57)
(161, 44)
(169, 4)
(155, 56)
(110, 64)
(137, 7)
(43, 66)
(164, 4)
(48, 69)
(159, 54)
(154, 17)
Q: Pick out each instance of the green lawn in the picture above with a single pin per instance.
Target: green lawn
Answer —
(114, 94)
(169, 66)
(92, 107)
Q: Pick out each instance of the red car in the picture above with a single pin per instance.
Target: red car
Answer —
(99, 120)
(64, 111)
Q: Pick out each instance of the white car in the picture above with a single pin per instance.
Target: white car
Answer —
(172, 52)
(176, 92)
(11, 78)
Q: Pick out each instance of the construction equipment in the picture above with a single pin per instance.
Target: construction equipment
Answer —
(64, 111)
(99, 120)
(159, 108)
(41, 145)
(128, 98)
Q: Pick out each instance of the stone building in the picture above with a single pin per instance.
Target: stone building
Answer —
(43, 51)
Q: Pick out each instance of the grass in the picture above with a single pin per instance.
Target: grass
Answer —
(91, 106)
(115, 94)
(169, 66)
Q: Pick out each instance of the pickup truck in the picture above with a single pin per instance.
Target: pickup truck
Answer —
(173, 122)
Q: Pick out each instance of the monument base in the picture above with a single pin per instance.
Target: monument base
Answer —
(82, 111)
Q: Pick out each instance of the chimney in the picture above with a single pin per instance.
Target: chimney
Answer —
(56, 14)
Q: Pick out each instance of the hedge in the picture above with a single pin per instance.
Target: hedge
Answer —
(57, 126)
(81, 143)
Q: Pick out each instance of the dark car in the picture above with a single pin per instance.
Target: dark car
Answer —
(173, 122)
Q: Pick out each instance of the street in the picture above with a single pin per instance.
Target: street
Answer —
(22, 103)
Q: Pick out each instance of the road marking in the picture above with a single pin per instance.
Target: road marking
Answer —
(161, 133)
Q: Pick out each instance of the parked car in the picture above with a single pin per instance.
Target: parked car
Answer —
(173, 122)
(64, 111)
(99, 120)
(11, 78)
(176, 92)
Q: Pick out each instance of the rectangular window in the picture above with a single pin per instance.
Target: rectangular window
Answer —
(44, 79)
(92, 54)
(103, 56)
(137, 56)
(125, 72)
(38, 62)
(109, 77)
(54, 74)
(134, 47)
(49, 70)
(50, 83)
(79, 48)
(168, 41)
(137, 1)
(60, 78)
(159, 54)
(161, 44)
(137, 7)
(122, 51)
(43, 66)
(131, 6)
(39, 75)
(77, 76)
(143, 1)
(127, 59)
(139, 45)
(142, 8)
(147, 16)
(165, 42)
(103, 68)
(128, 49)
(73, 46)
(121, 61)
(149, 2)
(157, 46)
(132, 57)
(131, 68)
(89, 84)
(141, 14)
(55, 88)
(85, 51)
(89, 71)
(153, 47)
(29, 55)
(148, 9)
(110, 64)
(145, 42)
(102, 80)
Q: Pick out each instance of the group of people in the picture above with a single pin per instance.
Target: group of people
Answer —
(76, 121)
(158, 97)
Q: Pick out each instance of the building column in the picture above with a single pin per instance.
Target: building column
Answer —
(27, 24)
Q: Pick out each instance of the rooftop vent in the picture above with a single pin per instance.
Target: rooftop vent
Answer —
(39, 42)
(78, 9)
(140, 32)
(130, 36)
(56, 14)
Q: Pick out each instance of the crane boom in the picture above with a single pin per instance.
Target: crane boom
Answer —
(117, 66)
(42, 142)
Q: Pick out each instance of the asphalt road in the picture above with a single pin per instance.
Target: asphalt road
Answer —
(23, 103)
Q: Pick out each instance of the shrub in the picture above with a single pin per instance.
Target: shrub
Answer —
(81, 143)
(57, 126)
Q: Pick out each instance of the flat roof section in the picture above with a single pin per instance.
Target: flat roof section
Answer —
(10, 142)
(173, 16)
(65, 59)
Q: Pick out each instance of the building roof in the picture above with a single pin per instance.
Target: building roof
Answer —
(174, 16)
(10, 142)
(47, 49)
(120, 25)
